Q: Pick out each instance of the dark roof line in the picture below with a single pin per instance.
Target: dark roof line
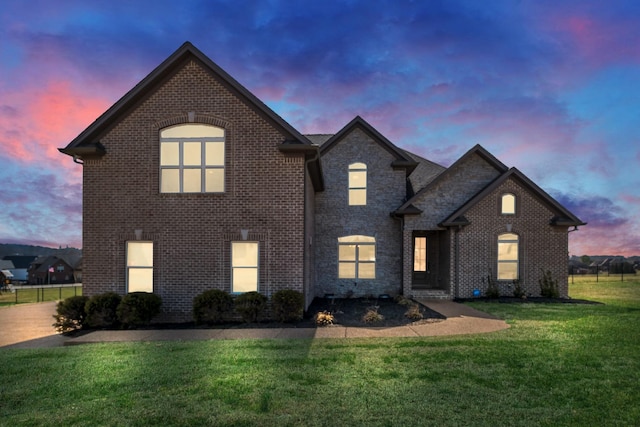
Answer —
(402, 159)
(91, 134)
(565, 217)
(477, 149)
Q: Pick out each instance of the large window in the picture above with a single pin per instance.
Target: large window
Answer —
(192, 159)
(357, 184)
(508, 205)
(244, 266)
(356, 257)
(139, 266)
(508, 256)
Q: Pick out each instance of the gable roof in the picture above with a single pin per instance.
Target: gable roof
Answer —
(402, 160)
(563, 216)
(408, 209)
(87, 144)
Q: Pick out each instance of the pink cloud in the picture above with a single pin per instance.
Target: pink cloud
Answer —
(45, 119)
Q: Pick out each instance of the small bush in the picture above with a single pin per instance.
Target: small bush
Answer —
(71, 314)
(288, 305)
(372, 315)
(101, 310)
(414, 313)
(324, 318)
(138, 308)
(518, 292)
(250, 306)
(548, 286)
(402, 300)
(212, 306)
(492, 288)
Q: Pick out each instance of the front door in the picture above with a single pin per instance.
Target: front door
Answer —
(425, 260)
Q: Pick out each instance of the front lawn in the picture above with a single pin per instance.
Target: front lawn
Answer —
(561, 364)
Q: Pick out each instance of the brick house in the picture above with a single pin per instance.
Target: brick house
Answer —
(192, 183)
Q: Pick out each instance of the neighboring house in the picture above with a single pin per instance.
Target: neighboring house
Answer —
(21, 265)
(49, 270)
(6, 276)
(191, 183)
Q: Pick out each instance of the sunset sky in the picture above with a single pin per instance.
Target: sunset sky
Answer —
(550, 87)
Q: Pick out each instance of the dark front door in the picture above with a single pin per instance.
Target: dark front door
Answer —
(425, 260)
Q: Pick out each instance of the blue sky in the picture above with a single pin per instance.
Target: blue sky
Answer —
(552, 88)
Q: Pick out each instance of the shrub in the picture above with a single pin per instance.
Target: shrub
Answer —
(492, 288)
(402, 300)
(71, 314)
(518, 292)
(548, 286)
(250, 306)
(212, 306)
(288, 305)
(324, 318)
(413, 312)
(138, 308)
(372, 315)
(101, 310)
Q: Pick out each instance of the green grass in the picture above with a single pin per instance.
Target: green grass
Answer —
(558, 365)
(37, 295)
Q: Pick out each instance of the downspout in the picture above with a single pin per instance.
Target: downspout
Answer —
(456, 263)
(307, 278)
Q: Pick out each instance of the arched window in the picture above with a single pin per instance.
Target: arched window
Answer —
(508, 256)
(356, 257)
(192, 159)
(508, 205)
(357, 184)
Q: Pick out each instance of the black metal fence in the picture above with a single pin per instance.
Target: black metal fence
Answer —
(38, 293)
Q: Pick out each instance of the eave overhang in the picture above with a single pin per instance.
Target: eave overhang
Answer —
(407, 210)
(85, 152)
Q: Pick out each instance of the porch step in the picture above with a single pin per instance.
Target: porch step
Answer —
(430, 294)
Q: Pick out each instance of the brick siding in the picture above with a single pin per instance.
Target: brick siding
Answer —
(386, 189)
(264, 194)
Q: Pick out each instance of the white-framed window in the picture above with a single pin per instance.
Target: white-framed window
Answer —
(192, 159)
(356, 257)
(508, 204)
(244, 266)
(139, 266)
(420, 253)
(508, 256)
(357, 184)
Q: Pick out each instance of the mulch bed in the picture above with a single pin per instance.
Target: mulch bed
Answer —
(346, 311)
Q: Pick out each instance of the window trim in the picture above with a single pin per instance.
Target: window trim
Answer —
(203, 167)
(128, 267)
(255, 267)
(357, 241)
(357, 167)
(502, 239)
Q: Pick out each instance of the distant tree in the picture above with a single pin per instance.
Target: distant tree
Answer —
(585, 259)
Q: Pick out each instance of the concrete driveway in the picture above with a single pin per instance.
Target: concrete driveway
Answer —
(29, 326)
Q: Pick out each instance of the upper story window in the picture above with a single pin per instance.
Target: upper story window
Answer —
(508, 204)
(192, 159)
(508, 256)
(139, 266)
(356, 257)
(357, 184)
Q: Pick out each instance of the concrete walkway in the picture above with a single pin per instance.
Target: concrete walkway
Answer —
(29, 326)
